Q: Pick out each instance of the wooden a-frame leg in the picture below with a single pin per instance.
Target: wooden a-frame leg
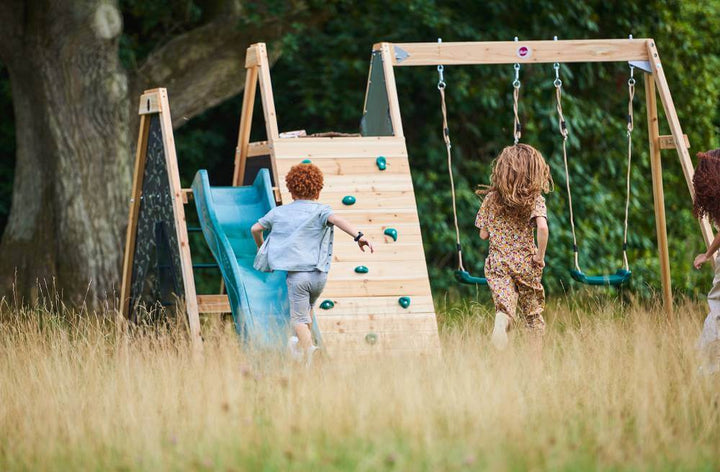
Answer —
(658, 193)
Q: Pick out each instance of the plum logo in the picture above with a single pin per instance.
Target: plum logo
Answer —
(524, 52)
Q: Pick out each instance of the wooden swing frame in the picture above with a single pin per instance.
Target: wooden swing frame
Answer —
(568, 51)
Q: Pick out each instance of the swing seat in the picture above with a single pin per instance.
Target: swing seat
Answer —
(618, 278)
(464, 277)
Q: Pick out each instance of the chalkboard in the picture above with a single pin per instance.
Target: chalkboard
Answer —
(156, 283)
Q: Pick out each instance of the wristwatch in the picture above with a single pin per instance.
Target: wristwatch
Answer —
(359, 235)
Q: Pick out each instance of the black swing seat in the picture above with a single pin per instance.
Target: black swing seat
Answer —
(618, 278)
(464, 277)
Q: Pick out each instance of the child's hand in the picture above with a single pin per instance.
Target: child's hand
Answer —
(538, 261)
(362, 242)
(700, 260)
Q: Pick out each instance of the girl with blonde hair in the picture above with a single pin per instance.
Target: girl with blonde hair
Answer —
(512, 209)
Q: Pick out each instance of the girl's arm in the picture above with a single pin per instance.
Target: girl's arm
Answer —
(543, 232)
(348, 227)
(707, 256)
(257, 234)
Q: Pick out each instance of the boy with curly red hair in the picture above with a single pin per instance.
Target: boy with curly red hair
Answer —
(300, 242)
(706, 183)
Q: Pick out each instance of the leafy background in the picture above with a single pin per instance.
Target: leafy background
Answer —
(319, 85)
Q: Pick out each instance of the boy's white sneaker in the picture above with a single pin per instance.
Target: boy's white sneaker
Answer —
(294, 348)
(310, 352)
(499, 336)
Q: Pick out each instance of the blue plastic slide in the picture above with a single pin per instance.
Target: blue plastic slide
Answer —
(258, 300)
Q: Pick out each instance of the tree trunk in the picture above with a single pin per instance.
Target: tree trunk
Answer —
(76, 125)
(73, 152)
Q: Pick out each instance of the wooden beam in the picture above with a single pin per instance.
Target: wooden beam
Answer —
(187, 194)
(266, 93)
(658, 193)
(241, 154)
(213, 304)
(668, 142)
(260, 148)
(180, 224)
(140, 155)
(676, 130)
(508, 52)
(388, 58)
(149, 102)
(251, 57)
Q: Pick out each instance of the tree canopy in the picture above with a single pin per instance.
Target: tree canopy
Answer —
(319, 84)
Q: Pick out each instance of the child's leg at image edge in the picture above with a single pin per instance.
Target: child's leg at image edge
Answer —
(304, 288)
(713, 297)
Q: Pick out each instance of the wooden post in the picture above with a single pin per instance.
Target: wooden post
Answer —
(393, 102)
(241, 152)
(658, 193)
(133, 218)
(676, 130)
(191, 304)
(266, 92)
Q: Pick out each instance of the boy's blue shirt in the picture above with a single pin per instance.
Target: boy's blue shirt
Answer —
(300, 237)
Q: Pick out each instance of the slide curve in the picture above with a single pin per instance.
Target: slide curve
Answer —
(258, 300)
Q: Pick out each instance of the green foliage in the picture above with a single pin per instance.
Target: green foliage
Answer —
(320, 81)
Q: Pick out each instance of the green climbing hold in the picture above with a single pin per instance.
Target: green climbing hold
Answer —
(327, 304)
(381, 162)
(306, 161)
(392, 232)
(348, 200)
(361, 270)
(371, 338)
(404, 301)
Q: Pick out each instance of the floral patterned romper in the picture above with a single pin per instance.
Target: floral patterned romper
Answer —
(513, 279)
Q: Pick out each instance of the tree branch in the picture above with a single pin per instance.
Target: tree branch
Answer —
(204, 66)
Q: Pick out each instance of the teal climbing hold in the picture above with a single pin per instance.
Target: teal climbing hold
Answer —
(361, 270)
(306, 161)
(327, 304)
(381, 162)
(371, 338)
(392, 232)
(404, 301)
(348, 200)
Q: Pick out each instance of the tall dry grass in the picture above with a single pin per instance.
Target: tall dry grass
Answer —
(619, 390)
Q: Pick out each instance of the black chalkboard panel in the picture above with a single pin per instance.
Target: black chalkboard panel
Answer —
(157, 282)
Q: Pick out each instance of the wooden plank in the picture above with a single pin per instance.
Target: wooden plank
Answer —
(374, 306)
(131, 232)
(180, 224)
(266, 92)
(377, 269)
(658, 193)
(363, 324)
(676, 130)
(260, 148)
(369, 200)
(338, 287)
(393, 252)
(379, 217)
(509, 52)
(411, 340)
(388, 56)
(150, 102)
(350, 166)
(668, 142)
(187, 194)
(213, 304)
(339, 148)
(241, 152)
(251, 57)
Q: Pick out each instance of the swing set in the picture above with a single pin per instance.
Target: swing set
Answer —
(640, 54)
(623, 274)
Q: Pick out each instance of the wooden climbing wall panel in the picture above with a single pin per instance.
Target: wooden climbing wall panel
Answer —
(367, 315)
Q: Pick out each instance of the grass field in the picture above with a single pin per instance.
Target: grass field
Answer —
(620, 389)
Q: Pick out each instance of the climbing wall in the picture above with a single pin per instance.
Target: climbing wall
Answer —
(388, 306)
